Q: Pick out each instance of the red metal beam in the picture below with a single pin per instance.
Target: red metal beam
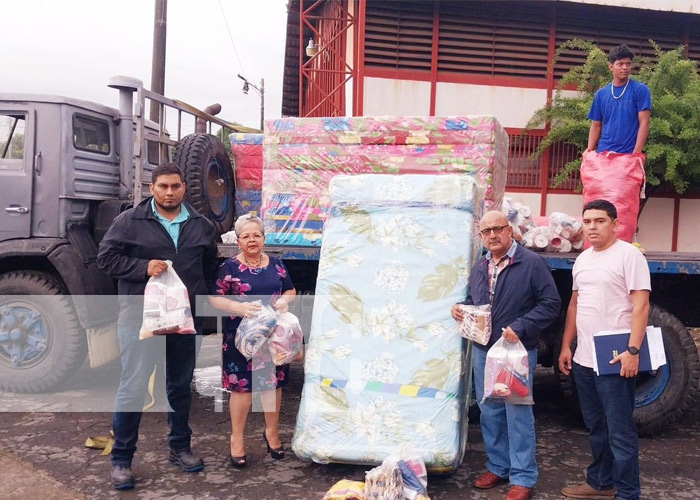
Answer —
(434, 59)
(360, 70)
(550, 89)
(676, 217)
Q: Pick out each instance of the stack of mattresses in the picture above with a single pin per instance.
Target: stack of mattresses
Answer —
(302, 155)
(385, 365)
(247, 152)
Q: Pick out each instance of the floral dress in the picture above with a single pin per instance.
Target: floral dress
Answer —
(266, 284)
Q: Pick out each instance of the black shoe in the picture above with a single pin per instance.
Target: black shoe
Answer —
(122, 477)
(276, 453)
(186, 460)
(238, 462)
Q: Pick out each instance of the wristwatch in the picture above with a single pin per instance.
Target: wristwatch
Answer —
(632, 350)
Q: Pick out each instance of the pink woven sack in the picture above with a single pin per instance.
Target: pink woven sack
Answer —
(618, 178)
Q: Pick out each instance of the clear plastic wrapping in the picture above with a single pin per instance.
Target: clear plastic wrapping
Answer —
(506, 374)
(253, 332)
(286, 339)
(384, 361)
(302, 155)
(166, 306)
(476, 323)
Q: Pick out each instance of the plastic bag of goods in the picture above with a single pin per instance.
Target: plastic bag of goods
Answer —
(286, 339)
(476, 323)
(537, 238)
(166, 306)
(506, 374)
(619, 179)
(519, 217)
(565, 225)
(253, 332)
(402, 476)
(384, 482)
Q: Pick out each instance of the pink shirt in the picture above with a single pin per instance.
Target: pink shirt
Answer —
(604, 281)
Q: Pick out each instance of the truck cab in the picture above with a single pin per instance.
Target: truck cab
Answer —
(68, 167)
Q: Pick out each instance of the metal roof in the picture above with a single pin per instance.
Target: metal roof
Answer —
(57, 99)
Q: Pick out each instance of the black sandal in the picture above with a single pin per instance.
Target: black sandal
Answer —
(238, 462)
(276, 453)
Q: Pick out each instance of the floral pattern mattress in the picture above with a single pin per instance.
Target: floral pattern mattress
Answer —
(385, 365)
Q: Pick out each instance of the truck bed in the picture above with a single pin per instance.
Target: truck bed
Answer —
(659, 262)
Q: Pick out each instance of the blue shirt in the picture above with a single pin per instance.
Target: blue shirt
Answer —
(172, 226)
(619, 115)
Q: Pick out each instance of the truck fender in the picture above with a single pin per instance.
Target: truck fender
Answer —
(93, 292)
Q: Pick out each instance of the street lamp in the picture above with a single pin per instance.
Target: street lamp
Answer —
(260, 91)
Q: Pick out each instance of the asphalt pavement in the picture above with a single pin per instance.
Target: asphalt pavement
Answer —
(42, 453)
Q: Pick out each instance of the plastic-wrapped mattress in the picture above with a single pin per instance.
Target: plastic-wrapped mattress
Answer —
(385, 364)
(302, 155)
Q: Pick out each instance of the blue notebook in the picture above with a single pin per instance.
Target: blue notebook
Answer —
(607, 345)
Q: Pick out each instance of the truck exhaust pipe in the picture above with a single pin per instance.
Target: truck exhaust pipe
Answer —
(126, 86)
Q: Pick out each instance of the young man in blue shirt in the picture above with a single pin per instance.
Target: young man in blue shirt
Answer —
(620, 110)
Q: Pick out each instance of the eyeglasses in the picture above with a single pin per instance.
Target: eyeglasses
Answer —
(495, 229)
(248, 237)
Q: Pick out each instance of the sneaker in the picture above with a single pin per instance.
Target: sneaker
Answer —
(585, 490)
(186, 460)
(122, 477)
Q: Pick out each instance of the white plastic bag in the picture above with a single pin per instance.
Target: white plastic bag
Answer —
(286, 340)
(411, 483)
(506, 374)
(253, 332)
(476, 323)
(384, 482)
(166, 306)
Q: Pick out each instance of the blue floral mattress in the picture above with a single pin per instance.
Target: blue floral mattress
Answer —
(385, 365)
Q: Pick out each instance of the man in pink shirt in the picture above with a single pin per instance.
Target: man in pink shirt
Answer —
(611, 285)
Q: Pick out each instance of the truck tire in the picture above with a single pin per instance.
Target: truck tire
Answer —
(41, 340)
(662, 396)
(209, 178)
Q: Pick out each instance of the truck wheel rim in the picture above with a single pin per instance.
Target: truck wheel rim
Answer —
(25, 335)
(217, 189)
(650, 386)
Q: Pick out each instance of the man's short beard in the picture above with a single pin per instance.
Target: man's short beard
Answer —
(167, 209)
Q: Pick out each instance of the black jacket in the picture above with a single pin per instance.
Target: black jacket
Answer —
(526, 298)
(136, 237)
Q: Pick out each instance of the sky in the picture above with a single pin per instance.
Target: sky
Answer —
(73, 47)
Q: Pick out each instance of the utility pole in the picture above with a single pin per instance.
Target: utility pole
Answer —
(262, 104)
(258, 90)
(160, 24)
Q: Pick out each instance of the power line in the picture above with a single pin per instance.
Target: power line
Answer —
(231, 38)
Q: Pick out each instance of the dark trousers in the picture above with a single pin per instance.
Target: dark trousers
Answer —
(138, 359)
(607, 403)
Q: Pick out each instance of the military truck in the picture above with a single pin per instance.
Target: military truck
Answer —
(67, 168)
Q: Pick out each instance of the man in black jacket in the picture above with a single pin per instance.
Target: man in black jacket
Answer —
(524, 301)
(134, 249)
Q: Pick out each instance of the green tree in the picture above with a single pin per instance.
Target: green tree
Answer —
(673, 146)
(222, 134)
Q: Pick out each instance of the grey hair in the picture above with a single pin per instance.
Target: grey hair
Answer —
(245, 219)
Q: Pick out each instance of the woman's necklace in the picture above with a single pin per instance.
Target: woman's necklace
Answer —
(253, 264)
(612, 90)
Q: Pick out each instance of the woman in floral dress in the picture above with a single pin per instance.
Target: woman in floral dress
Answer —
(251, 275)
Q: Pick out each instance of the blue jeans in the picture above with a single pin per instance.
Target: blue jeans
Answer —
(607, 404)
(508, 430)
(138, 358)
